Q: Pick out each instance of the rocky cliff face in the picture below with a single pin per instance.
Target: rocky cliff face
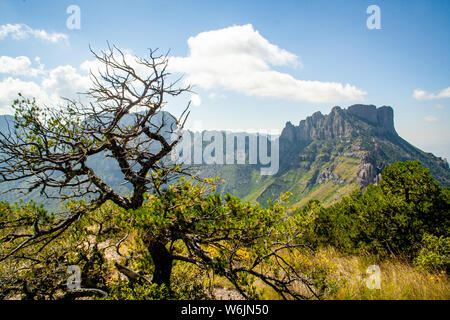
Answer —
(364, 132)
(367, 173)
(351, 122)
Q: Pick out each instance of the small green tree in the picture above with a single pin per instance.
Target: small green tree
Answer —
(242, 242)
(390, 218)
(434, 254)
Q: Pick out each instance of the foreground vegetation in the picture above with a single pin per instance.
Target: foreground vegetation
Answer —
(399, 279)
(246, 251)
(401, 225)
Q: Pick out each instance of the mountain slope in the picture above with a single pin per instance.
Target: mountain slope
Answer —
(327, 156)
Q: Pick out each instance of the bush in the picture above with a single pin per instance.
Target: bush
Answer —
(388, 219)
(434, 256)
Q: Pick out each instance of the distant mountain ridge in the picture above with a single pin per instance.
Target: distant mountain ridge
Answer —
(363, 121)
(323, 157)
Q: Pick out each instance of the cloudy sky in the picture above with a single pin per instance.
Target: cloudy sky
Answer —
(254, 64)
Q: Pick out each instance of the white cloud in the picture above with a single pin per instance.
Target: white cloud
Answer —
(23, 31)
(424, 95)
(19, 66)
(430, 119)
(238, 58)
(49, 87)
(196, 100)
(65, 81)
(10, 87)
(52, 85)
(214, 95)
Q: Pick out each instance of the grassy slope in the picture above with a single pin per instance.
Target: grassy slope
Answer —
(301, 183)
(331, 191)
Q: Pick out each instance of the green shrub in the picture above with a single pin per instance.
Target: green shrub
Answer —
(434, 256)
(390, 218)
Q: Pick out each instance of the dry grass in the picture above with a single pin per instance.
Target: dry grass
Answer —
(399, 280)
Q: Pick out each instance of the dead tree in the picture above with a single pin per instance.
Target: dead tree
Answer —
(120, 117)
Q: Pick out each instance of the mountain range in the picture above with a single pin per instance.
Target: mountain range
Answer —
(324, 157)
(327, 156)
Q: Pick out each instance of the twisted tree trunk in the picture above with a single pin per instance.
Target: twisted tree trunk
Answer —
(163, 262)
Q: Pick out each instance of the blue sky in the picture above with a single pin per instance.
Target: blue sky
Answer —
(405, 64)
